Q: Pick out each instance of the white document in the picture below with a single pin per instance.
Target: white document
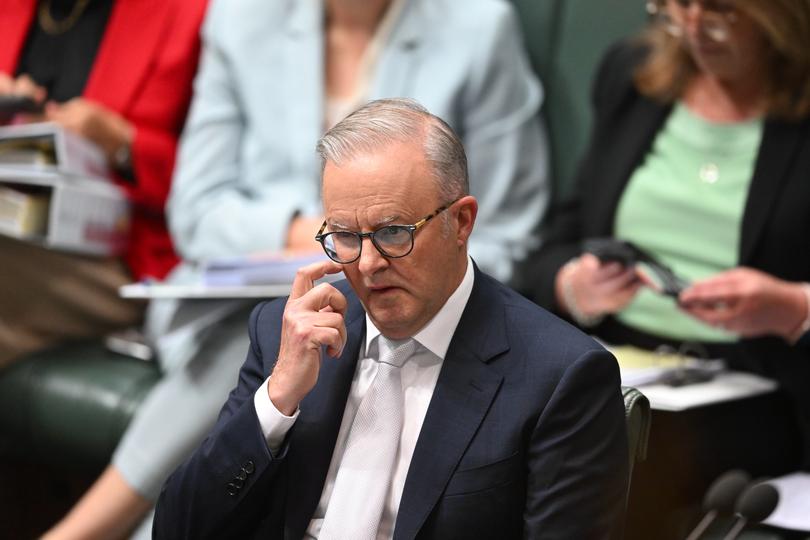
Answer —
(793, 510)
(253, 276)
(725, 386)
(202, 291)
(260, 269)
(647, 370)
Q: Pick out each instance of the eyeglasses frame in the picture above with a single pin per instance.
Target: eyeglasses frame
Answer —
(658, 10)
(321, 237)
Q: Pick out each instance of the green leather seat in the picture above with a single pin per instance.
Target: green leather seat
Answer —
(70, 405)
(566, 39)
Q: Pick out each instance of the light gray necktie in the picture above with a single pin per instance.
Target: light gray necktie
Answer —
(365, 471)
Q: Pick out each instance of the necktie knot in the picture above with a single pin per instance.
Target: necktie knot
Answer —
(395, 351)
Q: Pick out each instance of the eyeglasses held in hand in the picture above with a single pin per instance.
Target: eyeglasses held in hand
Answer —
(392, 241)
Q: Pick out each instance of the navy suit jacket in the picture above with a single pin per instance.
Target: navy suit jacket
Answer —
(524, 436)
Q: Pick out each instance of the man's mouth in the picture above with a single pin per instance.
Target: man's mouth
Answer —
(381, 288)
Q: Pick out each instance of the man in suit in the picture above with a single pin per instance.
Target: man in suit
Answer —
(505, 421)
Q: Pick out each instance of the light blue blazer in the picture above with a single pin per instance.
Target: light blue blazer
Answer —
(247, 160)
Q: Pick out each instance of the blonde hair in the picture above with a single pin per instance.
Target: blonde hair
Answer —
(786, 27)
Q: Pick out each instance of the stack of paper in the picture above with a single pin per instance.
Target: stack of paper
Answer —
(46, 145)
(654, 373)
(23, 214)
(57, 191)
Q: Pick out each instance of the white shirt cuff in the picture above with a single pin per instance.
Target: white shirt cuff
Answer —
(275, 424)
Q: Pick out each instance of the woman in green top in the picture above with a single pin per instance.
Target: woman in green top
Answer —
(721, 70)
(700, 155)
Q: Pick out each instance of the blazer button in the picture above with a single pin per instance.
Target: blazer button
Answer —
(238, 483)
(242, 474)
(232, 489)
(249, 467)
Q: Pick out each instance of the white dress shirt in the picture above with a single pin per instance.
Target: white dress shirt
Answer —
(419, 376)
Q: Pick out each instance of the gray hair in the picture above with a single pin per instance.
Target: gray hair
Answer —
(386, 121)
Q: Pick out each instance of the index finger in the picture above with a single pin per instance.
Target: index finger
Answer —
(306, 277)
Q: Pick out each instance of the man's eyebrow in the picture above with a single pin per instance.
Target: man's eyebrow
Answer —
(335, 225)
(387, 220)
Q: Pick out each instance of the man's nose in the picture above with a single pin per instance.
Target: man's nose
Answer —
(371, 260)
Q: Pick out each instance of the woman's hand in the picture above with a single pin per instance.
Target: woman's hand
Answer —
(21, 86)
(748, 302)
(588, 288)
(106, 128)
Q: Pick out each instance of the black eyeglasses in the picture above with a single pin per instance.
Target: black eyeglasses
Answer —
(392, 241)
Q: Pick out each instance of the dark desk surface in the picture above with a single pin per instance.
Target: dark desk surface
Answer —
(688, 450)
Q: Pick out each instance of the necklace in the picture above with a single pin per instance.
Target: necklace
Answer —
(52, 26)
(709, 173)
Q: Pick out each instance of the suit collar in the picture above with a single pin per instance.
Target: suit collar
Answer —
(303, 81)
(133, 36)
(437, 333)
(643, 122)
(394, 73)
(465, 390)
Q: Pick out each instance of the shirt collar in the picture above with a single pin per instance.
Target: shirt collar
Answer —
(435, 336)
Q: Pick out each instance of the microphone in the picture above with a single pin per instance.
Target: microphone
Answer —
(755, 504)
(720, 498)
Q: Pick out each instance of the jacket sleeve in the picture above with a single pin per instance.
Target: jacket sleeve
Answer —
(506, 147)
(225, 489)
(578, 456)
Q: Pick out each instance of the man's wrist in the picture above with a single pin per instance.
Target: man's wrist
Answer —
(282, 401)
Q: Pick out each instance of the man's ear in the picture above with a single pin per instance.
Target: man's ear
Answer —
(465, 212)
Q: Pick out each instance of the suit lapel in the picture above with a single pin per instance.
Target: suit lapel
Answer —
(313, 437)
(464, 392)
(133, 35)
(780, 141)
(393, 75)
(303, 80)
(643, 123)
(15, 24)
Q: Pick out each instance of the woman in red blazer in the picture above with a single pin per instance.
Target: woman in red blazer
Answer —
(133, 105)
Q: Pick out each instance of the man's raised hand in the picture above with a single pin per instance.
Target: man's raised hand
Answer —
(313, 318)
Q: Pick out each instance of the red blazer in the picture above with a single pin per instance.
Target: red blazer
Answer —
(143, 70)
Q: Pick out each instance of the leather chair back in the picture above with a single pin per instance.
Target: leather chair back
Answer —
(566, 39)
(638, 418)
